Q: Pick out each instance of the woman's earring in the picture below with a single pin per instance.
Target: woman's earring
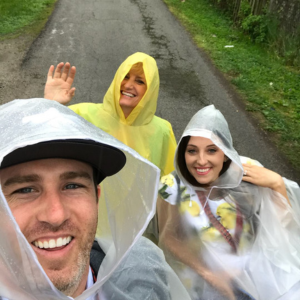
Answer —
(225, 159)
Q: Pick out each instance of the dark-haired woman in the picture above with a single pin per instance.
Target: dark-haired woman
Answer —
(227, 228)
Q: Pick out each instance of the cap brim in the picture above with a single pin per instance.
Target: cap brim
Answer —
(107, 160)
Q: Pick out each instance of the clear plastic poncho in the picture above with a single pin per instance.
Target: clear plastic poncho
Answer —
(149, 135)
(130, 204)
(255, 253)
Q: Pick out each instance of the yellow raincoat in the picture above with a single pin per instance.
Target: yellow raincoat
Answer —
(149, 135)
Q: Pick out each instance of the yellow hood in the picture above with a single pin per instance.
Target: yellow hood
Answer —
(143, 113)
(149, 135)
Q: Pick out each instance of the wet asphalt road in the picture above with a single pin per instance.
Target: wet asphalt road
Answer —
(97, 35)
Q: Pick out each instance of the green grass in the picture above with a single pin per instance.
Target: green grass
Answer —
(23, 16)
(268, 86)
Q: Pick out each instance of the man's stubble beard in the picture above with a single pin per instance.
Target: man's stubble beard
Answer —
(69, 283)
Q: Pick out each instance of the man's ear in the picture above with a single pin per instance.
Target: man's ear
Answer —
(98, 192)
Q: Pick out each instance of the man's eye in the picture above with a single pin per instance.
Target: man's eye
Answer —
(26, 190)
(72, 186)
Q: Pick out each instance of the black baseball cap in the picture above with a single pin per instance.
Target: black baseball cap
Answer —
(105, 160)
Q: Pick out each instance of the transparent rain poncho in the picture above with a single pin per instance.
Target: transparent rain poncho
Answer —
(130, 204)
(255, 253)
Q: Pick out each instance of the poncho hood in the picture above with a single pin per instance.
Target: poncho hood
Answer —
(143, 113)
(211, 124)
(128, 195)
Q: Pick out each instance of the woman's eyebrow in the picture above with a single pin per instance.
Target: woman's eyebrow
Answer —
(212, 145)
(19, 179)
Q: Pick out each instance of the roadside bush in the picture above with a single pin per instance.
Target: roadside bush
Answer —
(267, 28)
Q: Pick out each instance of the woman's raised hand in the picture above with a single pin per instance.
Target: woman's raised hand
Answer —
(59, 84)
(265, 178)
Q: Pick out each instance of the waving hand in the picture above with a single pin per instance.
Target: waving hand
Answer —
(59, 84)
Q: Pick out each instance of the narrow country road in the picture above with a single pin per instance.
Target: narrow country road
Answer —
(97, 36)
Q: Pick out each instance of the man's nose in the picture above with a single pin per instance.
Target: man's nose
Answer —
(53, 210)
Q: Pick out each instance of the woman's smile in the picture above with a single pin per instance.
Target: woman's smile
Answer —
(127, 94)
(203, 171)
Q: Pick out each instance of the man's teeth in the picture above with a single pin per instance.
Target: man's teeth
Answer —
(202, 170)
(128, 94)
(53, 243)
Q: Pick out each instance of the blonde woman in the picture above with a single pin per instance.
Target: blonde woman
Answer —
(128, 108)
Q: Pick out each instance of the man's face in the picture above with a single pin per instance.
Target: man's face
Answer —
(54, 204)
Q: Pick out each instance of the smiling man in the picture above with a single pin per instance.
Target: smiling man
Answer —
(51, 200)
(52, 162)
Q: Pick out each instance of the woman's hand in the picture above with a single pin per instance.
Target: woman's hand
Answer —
(59, 85)
(265, 178)
(221, 282)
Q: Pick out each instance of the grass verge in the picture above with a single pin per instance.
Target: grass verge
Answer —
(23, 16)
(270, 88)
